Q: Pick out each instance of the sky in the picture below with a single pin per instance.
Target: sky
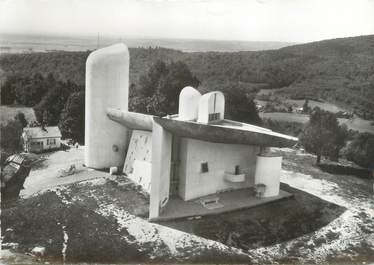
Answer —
(248, 20)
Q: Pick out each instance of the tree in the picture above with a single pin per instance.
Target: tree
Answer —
(177, 77)
(10, 140)
(239, 106)
(48, 110)
(20, 116)
(72, 117)
(150, 82)
(306, 108)
(361, 150)
(7, 91)
(159, 89)
(340, 141)
(47, 119)
(322, 135)
(27, 91)
(34, 124)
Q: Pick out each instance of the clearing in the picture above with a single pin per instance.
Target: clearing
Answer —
(356, 123)
(312, 103)
(8, 113)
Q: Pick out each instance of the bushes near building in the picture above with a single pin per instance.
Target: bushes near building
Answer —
(361, 150)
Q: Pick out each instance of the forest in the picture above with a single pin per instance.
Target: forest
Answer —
(339, 71)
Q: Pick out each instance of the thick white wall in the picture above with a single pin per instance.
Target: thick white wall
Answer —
(268, 170)
(142, 174)
(138, 162)
(221, 158)
(212, 102)
(161, 163)
(107, 78)
(188, 104)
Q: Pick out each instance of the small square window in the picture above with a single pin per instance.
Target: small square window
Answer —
(214, 116)
(237, 170)
(204, 167)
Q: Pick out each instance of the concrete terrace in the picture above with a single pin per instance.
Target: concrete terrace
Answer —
(231, 201)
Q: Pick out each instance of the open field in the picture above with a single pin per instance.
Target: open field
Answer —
(94, 217)
(267, 91)
(356, 124)
(312, 103)
(285, 116)
(8, 113)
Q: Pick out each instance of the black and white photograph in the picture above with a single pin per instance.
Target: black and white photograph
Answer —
(187, 132)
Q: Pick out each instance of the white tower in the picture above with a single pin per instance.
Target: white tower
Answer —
(107, 81)
(188, 104)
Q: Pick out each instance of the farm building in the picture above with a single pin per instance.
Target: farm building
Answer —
(40, 139)
(194, 162)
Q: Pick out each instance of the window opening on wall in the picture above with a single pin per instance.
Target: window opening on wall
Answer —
(204, 167)
(51, 141)
(237, 170)
(214, 116)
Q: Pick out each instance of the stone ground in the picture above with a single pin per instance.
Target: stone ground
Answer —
(97, 218)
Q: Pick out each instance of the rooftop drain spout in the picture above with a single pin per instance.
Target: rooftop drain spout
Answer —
(131, 120)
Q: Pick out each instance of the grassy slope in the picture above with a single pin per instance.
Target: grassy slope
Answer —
(8, 113)
(340, 70)
(355, 124)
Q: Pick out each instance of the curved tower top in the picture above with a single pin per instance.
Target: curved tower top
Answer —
(211, 107)
(188, 103)
(107, 81)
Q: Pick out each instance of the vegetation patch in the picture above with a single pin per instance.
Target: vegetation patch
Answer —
(42, 220)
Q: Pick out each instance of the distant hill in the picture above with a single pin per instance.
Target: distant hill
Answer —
(340, 71)
(17, 43)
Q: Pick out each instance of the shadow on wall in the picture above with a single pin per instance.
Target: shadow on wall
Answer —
(267, 224)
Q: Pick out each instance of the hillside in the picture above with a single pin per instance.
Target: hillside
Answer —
(96, 218)
(339, 71)
(8, 113)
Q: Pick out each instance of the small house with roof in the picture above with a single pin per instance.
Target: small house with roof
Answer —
(41, 139)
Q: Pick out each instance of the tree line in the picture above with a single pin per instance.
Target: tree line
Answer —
(62, 103)
(338, 71)
(55, 102)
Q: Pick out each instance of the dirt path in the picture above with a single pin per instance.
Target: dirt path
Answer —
(50, 172)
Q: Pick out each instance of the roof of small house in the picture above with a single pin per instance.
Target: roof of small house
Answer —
(40, 132)
(16, 158)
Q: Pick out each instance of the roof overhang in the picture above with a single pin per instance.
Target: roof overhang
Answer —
(230, 132)
(223, 134)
